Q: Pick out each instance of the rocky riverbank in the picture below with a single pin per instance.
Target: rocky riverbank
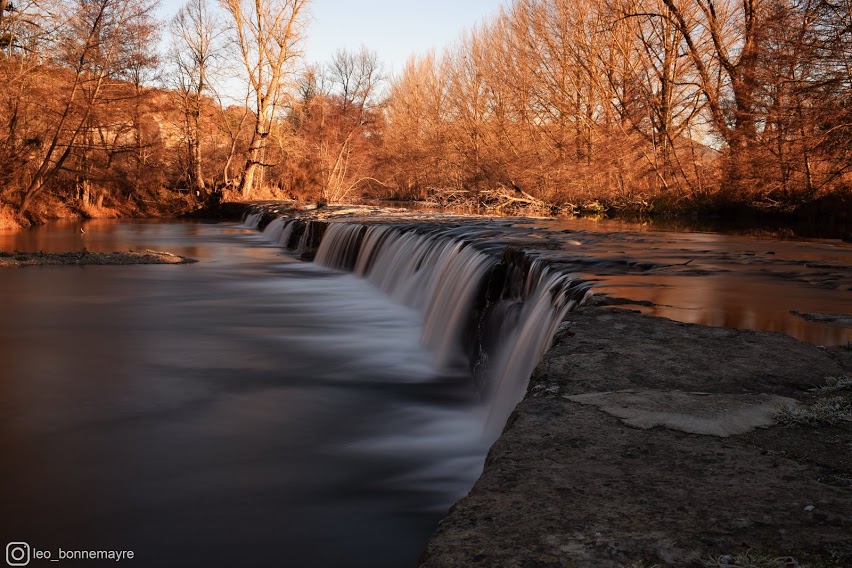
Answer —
(647, 442)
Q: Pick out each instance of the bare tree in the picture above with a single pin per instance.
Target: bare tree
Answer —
(196, 34)
(417, 126)
(353, 80)
(94, 44)
(25, 26)
(662, 100)
(24, 29)
(268, 34)
(232, 122)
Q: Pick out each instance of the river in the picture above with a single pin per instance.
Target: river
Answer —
(252, 409)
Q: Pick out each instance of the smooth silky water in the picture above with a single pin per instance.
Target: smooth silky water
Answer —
(248, 410)
(253, 409)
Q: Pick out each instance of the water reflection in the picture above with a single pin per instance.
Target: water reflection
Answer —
(714, 279)
(722, 301)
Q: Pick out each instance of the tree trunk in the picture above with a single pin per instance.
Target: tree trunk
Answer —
(197, 174)
(253, 167)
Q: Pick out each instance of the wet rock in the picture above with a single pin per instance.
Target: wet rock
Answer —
(840, 320)
(606, 300)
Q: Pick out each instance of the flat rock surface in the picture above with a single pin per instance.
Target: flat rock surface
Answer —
(720, 415)
(16, 259)
(572, 482)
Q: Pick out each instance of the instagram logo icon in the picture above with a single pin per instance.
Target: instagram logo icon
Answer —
(17, 554)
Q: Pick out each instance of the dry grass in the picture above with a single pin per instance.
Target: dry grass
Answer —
(263, 193)
(8, 220)
(833, 384)
(750, 559)
(96, 212)
(829, 410)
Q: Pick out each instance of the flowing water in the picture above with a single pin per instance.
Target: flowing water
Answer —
(254, 409)
(250, 406)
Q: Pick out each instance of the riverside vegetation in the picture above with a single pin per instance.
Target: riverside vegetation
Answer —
(654, 107)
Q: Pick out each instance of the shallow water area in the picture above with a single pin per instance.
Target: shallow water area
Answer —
(726, 280)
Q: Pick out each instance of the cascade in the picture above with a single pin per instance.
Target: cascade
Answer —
(252, 220)
(523, 340)
(286, 232)
(274, 230)
(490, 309)
(431, 272)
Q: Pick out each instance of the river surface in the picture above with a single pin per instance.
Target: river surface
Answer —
(254, 410)
(248, 410)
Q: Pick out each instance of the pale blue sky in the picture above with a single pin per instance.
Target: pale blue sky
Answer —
(393, 28)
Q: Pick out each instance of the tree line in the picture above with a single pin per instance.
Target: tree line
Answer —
(563, 105)
(634, 104)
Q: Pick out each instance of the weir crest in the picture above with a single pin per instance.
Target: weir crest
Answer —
(488, 307)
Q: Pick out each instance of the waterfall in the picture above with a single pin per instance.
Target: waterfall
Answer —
(490, 309)
(433, 273)
(286, 232)
(550, 295)
(252, 219)
(273, 230)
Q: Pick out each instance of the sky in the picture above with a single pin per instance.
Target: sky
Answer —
(394, 29)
